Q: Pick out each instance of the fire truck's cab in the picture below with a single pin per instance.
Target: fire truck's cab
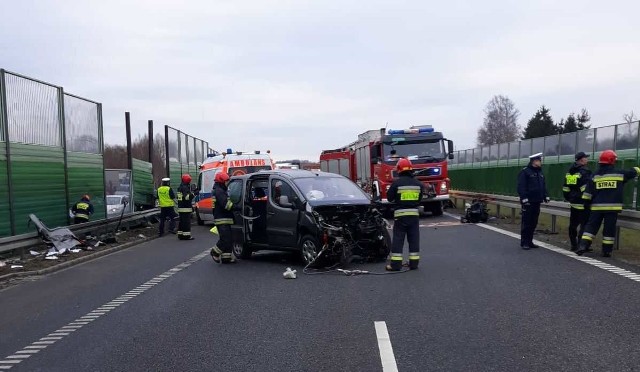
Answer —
(371, 162)
(428, 151)
(234, 164)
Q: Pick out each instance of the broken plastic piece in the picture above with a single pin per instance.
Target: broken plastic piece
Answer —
(75, 250)
(17, 267)
(34, 253)
(141, 236)
(289, 274)
(51, 258)
(2, 264)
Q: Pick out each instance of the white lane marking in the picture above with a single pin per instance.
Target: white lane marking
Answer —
(386, 350)
(588, 260)
(103, 310)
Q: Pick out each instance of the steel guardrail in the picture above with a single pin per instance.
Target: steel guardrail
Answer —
(22, 241)
(627, 218)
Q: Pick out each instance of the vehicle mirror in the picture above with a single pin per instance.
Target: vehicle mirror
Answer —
(451, 156)
(450, 148)
(284, 202)
(194, 189)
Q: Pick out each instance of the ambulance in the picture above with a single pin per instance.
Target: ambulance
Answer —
(235, 164)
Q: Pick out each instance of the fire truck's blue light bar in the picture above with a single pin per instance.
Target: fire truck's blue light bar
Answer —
(411, 131)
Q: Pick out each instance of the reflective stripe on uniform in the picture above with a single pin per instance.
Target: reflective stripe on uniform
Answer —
(606, 207)
(406, 212)
(223, 221)
(587, 236)
(583, 187)
(566, 189)
(229, 205)
(414, 257)
(216, 250)
(396, 256)
(82, 215)
(608, 240)
(608, 177)
(185, 210)
(577, 206)
(586, 196)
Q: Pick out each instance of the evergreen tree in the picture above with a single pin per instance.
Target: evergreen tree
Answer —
(540, 125)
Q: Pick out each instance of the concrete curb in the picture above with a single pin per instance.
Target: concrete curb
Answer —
(74, 262)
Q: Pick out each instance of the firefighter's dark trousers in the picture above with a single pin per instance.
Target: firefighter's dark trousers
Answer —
(530, 215)
(222, 249)
(577, 219)
(408, 227)
(170, 213)
(608, 232)
(184, 226)
(78, 220)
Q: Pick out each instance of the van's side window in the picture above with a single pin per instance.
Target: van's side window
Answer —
(280, 188)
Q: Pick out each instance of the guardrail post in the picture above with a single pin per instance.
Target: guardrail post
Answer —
(554, 220)
(513, 216)
(4, 118)
(498, 211)
(616, 245)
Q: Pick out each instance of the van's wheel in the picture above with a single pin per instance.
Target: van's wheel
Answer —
(242, 251)
(309, 249)
(200, 221)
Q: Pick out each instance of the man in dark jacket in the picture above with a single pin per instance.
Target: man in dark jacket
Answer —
(185, 208)
(82, 210)
(406, 194)
(223, 219)
(605, 194)
(533, 192)
(574, 186)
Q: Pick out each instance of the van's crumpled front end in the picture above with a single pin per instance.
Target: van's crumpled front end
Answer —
(348, 231)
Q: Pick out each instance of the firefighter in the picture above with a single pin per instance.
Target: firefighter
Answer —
(185, 208)
(223, 219)
(575, 184)
(533, 192)
(605, 193)
(82, 210)
(405, 193)
(166, 198)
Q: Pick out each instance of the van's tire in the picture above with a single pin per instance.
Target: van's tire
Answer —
(242, 251)
(200, 221)
(309, 249)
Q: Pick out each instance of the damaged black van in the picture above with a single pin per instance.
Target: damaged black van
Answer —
(323, 216)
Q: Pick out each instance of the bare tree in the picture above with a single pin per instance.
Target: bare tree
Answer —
(500, 122)
(630, 117)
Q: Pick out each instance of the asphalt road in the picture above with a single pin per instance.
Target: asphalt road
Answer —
(478, 303)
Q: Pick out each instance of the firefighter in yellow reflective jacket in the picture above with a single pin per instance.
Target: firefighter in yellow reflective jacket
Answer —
(82, 210)
(223, 219)
(406, 194)
(605, 194)
(574, 186)
(185, 208)
(166, 198)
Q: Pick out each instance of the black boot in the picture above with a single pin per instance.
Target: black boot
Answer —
(584, 248)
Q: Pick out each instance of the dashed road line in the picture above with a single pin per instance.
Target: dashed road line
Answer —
(588, 260)
(43, 343)
(386, 350)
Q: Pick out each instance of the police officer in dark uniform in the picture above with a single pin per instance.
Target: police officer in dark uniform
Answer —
(605, 193)
(82, 210)
(533, 192)
(575, 183)
(223, 219)
(167, 205)
(185, 208)
(405, 193)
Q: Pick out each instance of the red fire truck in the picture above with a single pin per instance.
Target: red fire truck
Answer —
(370, 162)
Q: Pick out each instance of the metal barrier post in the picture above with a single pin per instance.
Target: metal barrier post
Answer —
(4, 118)
(554, 221)
(63, 136)
(513, 216)
(616, 245)
(498, 211)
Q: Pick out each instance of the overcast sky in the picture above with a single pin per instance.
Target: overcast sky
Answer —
(300, 76)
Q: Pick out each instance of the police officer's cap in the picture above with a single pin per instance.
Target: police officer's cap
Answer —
(581, 155)
(537, 156)
(166, 179)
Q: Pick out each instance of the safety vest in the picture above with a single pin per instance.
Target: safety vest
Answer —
(82, 210)
(164, 198)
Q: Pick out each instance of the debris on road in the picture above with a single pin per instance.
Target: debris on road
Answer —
(290, 274)
(17, 266)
